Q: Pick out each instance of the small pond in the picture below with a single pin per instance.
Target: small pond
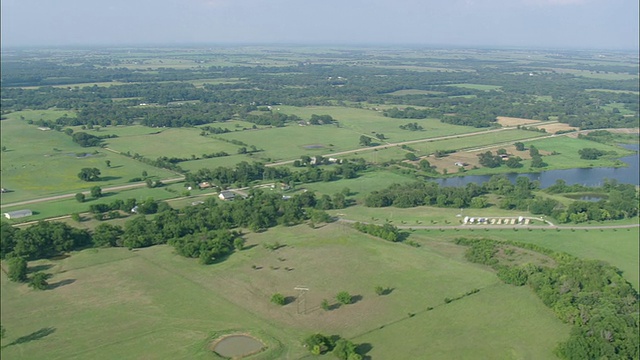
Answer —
(233, 346)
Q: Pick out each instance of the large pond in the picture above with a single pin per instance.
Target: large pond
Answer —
(587, 177)
(233, 346)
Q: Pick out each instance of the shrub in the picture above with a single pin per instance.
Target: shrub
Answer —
(278, 299)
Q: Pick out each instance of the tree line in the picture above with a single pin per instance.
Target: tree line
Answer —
(591, 296)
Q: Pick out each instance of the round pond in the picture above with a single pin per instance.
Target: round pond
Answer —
(238, 345)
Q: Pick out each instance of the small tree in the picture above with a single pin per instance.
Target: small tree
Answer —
(108, 162)
(325, 305)
(39, 281)
(17, 269)
(80, 197)
(411, 156)
(344, 297)
(278, 299)
(379, 290)
(89, 174)
(365, 140)
(76, 217)
(238, 243)
(345, 350)
(96, 192)
(519, 146)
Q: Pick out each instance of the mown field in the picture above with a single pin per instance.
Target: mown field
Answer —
(151, 303)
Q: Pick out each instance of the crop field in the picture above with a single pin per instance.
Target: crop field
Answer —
(176, 304)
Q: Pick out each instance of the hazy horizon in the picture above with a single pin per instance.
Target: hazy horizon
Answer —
(542, 24)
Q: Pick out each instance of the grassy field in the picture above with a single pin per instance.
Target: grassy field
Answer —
(39, 163)
(169, 306)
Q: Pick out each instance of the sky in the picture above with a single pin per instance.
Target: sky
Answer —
(564, 24)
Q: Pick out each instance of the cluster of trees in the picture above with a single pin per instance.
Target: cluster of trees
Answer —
(590, 153)
(341, 348)
(321, 119)
(411, 127)
(86, 140)
(89, 174)
(244, 173)
(621, 202)
(423, 193)
(487, 159)
(387, 231)
(276, 119)
(42, 240)
(201, 231)
(591, 296)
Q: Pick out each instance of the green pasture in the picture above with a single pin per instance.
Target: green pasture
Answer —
(478, 86)
(603, 75)
(170, 142)
(167, 305)
(370, 122)
(361, 186)
(473, 142)
(567, 149)
(40, 163)
(414, 92)
(477, 327)
(49, 209)
(293, 141)
(422, 215)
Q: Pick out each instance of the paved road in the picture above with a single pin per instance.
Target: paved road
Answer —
(67, 196)
(409, 142)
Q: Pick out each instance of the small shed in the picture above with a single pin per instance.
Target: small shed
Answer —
(226, 195)
(18, 214)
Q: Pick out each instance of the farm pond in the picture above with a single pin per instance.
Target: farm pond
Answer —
(588, 177)
(238, 345)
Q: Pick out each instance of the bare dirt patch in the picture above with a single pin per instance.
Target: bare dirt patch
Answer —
(511, 121)
(555, 127)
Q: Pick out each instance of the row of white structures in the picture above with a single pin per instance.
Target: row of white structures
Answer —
(495, 221)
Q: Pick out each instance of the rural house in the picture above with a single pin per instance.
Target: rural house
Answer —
(226, 195)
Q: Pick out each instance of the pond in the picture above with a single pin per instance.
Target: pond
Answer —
(233, 346)
(587, 177)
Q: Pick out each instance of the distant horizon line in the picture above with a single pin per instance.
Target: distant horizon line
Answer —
(309, 44)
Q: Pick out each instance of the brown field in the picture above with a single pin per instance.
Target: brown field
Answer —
(511, 121)
(471, 158)
(555, 127)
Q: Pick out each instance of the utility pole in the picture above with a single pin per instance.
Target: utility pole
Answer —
(302, 298)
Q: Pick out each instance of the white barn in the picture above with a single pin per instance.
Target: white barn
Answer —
(18, 214)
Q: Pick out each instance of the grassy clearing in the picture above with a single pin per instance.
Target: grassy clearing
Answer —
(166, 305)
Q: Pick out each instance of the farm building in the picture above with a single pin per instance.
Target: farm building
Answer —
(18, 214)
(226, 195)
